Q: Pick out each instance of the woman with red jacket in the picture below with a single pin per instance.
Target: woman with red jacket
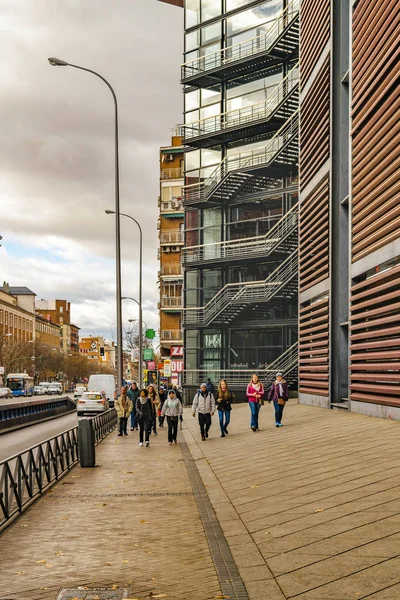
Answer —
(255, 396)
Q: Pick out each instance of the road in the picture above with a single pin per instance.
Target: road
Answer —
(17, 441)
(18, 399)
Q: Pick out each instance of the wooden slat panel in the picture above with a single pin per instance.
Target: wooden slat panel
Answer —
(375, 347)
(375, 126)
(314, 34)
(314, 217)
(314, 347)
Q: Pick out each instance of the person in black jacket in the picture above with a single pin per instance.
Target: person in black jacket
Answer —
(145, 416)
(224, 405)
(133, 394)
(162, 394)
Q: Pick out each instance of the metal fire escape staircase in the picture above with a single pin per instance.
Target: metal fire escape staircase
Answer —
(232, 299)
(242, 173)
(286, 363)
(281, 238)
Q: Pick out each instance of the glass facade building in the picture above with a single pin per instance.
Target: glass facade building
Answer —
(241, 92)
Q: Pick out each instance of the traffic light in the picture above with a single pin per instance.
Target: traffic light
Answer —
(102, 351)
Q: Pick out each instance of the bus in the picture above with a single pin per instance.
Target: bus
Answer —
(21, 384)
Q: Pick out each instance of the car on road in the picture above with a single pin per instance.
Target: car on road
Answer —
(44, 385)
(92, 403)
(38, 390)
(79, 390)
(105, 384)
(54, 389)
(5, 392)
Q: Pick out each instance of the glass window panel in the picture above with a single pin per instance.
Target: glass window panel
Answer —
(254, 17)
(232, 4)
(192, 100)
(192, 56)
(211, 33)
(266, 83)
(210, 9)
(212, 217)
(192, 279)
(205, 172)
(192, 160)
(192, 117)
(191, 359)
(212, 339)
(192, 13)
(192, 339)
(245, 150)
(209, 97)
(192, 41)
(210, 49)
(210, 157)
(192, 219)
(210, 111)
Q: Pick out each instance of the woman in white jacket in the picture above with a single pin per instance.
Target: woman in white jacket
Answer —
(204, 405)
(172, 409)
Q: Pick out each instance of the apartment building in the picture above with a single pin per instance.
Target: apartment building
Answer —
(241, 91)
(17, 320)
(349, 342)
(171, 238)
(59, 312)
(98, 350)
(47, 332)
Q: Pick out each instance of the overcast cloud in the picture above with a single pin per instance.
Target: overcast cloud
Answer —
(56, 147)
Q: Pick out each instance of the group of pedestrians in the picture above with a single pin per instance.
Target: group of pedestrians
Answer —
(143, 407)
(146, 405)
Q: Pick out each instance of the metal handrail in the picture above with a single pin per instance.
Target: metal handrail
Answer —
(172, 237)
(245, 246)
(103, 424)
(285, 363)
(25, 476)
(172, 173)
(256, 45)
(262, 155)
(171, 334)
(241, 116)
(171, 269)
(172, 301)
(241, 293)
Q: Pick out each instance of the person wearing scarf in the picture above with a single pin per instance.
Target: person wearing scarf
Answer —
(224, 405)
(255, 396)
(123, 405)
(145, 415)
(279, 394)
(172, 409)
(152, 393)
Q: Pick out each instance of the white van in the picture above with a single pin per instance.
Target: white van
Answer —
(103, 383)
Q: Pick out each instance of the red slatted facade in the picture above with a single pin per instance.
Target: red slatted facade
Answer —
(375, 300)
(314, 347)
(314, 34)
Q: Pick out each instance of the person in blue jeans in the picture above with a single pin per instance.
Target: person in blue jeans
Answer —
(255, 396)
(133, 394)
(279, 394)
(224, 405)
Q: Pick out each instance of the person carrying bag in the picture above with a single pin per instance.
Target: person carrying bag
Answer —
(279, 394)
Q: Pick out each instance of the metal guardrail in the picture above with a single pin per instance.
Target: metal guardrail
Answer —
(17, 414)
(172, 173)
(24, 477)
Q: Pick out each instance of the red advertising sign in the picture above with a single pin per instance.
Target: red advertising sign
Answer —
(151, 365)
(176, 366)
(176, 350)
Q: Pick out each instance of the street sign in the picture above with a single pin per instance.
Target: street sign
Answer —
(148, 354)
(150, 334)
(176, 350)
(167, 368)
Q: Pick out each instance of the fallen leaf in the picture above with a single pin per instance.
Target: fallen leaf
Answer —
(38, 562)
(75, 476)
(108, 565)
(104, 504)
(48, 565)
(24, 525)
(20, 573)
(144, 522)
(253, 486)
(115, 586)
(158, 596)
(320, 510)
(64, 518)
(221, 597)
(125, 561)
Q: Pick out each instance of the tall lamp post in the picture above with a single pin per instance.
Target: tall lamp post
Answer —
(112, 212)
(56, 62)
(140, 358)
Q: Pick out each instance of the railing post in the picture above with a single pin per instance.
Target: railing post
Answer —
(86, 443)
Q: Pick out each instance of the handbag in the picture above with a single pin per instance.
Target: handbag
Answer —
(281, 402)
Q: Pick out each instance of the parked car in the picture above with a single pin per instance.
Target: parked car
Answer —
(44, 385)
(79, 390)
(103, 383)
(38, 390)
(92, 403)
(5, 392)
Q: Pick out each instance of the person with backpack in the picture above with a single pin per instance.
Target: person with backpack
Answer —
(224, 405)
(133, 393)
(172, 409)
(204, 405)
(145, 415)
(210, 387)
(279, 395)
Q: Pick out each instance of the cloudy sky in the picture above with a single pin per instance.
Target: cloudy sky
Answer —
(56, 147)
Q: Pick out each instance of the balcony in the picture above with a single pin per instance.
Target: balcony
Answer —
(171, 303)
(173, 207)
(281, 238)
(280, 43)
(173, 271)
(174, 236)
(176, 173)
(245, 123)
(171, 335)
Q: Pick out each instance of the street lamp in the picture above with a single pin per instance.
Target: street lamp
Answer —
(56, 62)
(140, 303)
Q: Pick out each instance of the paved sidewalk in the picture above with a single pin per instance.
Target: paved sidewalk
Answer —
(310, 511)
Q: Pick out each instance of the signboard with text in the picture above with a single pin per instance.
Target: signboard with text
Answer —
(148, 354)
(167, 368)
(176, 350)
(151, 365)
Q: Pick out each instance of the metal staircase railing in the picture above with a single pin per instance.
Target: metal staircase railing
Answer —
(243, 116)
(233, 297)
(286, 363)
(261, 44)
(262, 156)
(245, 247)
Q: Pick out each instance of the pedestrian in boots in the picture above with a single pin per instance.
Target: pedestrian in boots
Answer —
(144, 416)
(152, 393)
(204, 405)
(224, 405)
(123, 406)
(162, 396)
(279, 394)
(172, 409)
(133, 393)
(255, 396)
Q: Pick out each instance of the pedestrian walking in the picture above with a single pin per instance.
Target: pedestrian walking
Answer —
(172, 409)
(144, 415)
(204, 405)
(279, 394)
(224, 405)
(123, 406)
(210, 387)
(162, 394)
(133, 393)
(255, 396)
(152, 393)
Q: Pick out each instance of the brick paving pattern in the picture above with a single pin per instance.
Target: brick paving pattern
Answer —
(310, 511)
